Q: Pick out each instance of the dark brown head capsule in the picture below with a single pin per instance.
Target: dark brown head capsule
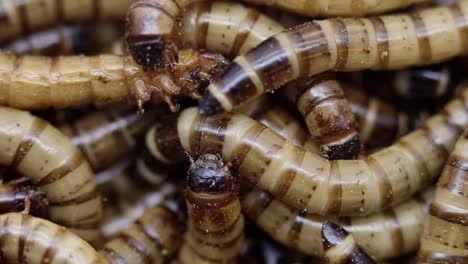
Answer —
(340, 246)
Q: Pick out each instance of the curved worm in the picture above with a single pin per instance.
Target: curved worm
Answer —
(307, 181)
(328, 115)
(36, 82)
(40, 152)
(23, 17)
(19, 196)
(153, 238)
(340, 246)
(348, 44)
(27, 239)
(98, 133)
(394, 232)
(216, 225)
(445, 237)
(62, 40)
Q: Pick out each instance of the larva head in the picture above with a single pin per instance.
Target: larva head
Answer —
(208, 174)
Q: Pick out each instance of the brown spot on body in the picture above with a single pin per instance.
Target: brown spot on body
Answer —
(342, 43)
(424, 44)
(420, 163)
(56, 174)
(244, 31)
(382, 42)
(27, 142)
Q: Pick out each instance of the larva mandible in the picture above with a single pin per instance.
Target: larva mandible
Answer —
(66, 39)
(394, 232)
(215, 230)
(153, 238)
(28, 239)
(327, 114)
(20, 196)
(307, 181)
(22, 17)
(40, 152)
(341, 44)
(36, 82)
(340, 246)
(153, 39)
(97, 134)
(445, 237)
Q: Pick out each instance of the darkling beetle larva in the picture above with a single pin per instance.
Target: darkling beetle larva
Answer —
(19, 195)
(341, 44)
(216, 225)
(445, 237)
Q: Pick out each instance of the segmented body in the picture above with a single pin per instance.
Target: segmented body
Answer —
(341, 44)
(19, 196)
(153, 238)
(340, 246)
(22, 17)
(307, 181)
(27, 239)
(98, 134)
(62, 40)
(36, 82)
(394, 232)
(328, 115)
(216, 225)
(445, 237)
(40, 152)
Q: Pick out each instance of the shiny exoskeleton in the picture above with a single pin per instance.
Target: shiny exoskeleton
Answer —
(20, 196)
(216, 225)
(445, 237)
(341, 44)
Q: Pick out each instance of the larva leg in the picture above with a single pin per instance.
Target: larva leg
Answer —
(98, 134)
(307, 181)
(216, 225)
(17, 195)
(23, 17)
(36, 82)
(27, 239)
(40, 152)
(328, 115)
(340, 246)
(62, 40)
(445, 236)
(153, 238)
(350, 44)
(392, 233)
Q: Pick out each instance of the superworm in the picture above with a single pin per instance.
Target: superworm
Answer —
(394, 232)
(68, 39)
(153, 238)
(328, 115)
(340, 246)
(445, 237)
(306, 181)
(39, 151)
(22, 17)
(36, 82)
(341, 44)
(98, 133)
(27, 239)
(19, 196)
(216, 225)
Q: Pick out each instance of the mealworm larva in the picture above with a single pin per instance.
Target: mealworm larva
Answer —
(216, 225)
(394, 232)
(22, 17)
(340, 246)
(328, 115)
(98, 134)
(62, 40)
(17, 195)
(307, 181)
(36, 82)
(27, 239)
(153, 238)
(380, 123)
(341, 44)
(445, 237)
(40, 152)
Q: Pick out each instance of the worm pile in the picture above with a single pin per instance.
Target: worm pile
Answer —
(254, 131)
